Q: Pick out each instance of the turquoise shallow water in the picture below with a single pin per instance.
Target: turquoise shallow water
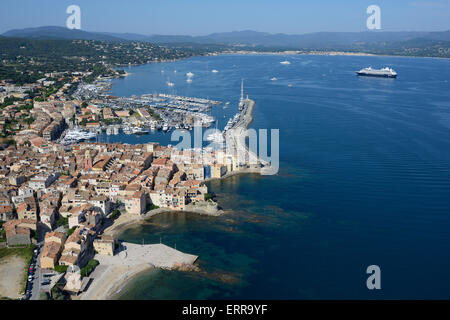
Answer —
(364, 179)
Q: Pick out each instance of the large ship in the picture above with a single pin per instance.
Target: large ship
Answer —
(385, 72)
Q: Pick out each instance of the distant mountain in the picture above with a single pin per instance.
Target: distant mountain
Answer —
(322, 40)
(55, 33)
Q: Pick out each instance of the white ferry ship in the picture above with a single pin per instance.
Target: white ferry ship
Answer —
(384, 72)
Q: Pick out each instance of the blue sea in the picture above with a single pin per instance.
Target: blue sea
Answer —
(364, 180)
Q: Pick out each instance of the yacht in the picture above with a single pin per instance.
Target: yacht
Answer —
(273, 79)
(285, 62)
(214, 71)
(138, 130)
(75, 135)
(170, 84)
(189, 74)
(216, 137)
(165, 127)
(127, 130)
(188, 80)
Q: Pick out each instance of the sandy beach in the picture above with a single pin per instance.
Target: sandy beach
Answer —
(114, 272)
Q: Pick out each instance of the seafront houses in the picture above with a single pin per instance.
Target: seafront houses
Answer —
(136, 203)
(169, 198)
(196, 172)
(104, 245)
(218, 170)
(51, 252)
(102, 202)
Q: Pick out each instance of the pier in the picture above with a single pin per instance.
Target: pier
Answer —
(239, 130)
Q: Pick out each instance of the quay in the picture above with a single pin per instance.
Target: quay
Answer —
(238, 131)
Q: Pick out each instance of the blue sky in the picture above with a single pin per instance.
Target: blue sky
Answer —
(200, 17)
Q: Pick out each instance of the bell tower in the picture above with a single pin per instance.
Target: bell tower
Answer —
(87, 161)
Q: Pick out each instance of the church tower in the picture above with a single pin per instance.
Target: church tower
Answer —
(87, 161)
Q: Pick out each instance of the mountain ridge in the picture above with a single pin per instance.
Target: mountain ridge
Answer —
(244, 37)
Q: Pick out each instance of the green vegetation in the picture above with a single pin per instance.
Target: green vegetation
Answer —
(70, 231)
(58, 294)
(112, 121)
(27, 60)
(208, 196)
(153, 114)
(87, 269)
(115, 214)
(43, 296)
(61, 268)
(62, 221)
(151, 206)
(25, 252)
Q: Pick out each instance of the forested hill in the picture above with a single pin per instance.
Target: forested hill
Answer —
(25, 60)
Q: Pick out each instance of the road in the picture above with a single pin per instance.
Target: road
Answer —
(36, 290)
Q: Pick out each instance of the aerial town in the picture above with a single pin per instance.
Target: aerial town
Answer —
(62, 189)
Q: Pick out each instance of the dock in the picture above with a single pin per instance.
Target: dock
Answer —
(238, 130)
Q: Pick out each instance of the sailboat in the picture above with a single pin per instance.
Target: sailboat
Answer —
(170, 84)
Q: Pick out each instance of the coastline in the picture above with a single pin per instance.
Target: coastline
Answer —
(108, 284)
(131, 259)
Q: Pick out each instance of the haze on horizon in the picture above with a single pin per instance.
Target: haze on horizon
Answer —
(202, 17)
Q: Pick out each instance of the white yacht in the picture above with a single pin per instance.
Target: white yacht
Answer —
(216, 137)
(127, 130)
(76, 134)
(189, 74)
(273, 79)
(285, 62)
(138, 130)
(214, 71)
